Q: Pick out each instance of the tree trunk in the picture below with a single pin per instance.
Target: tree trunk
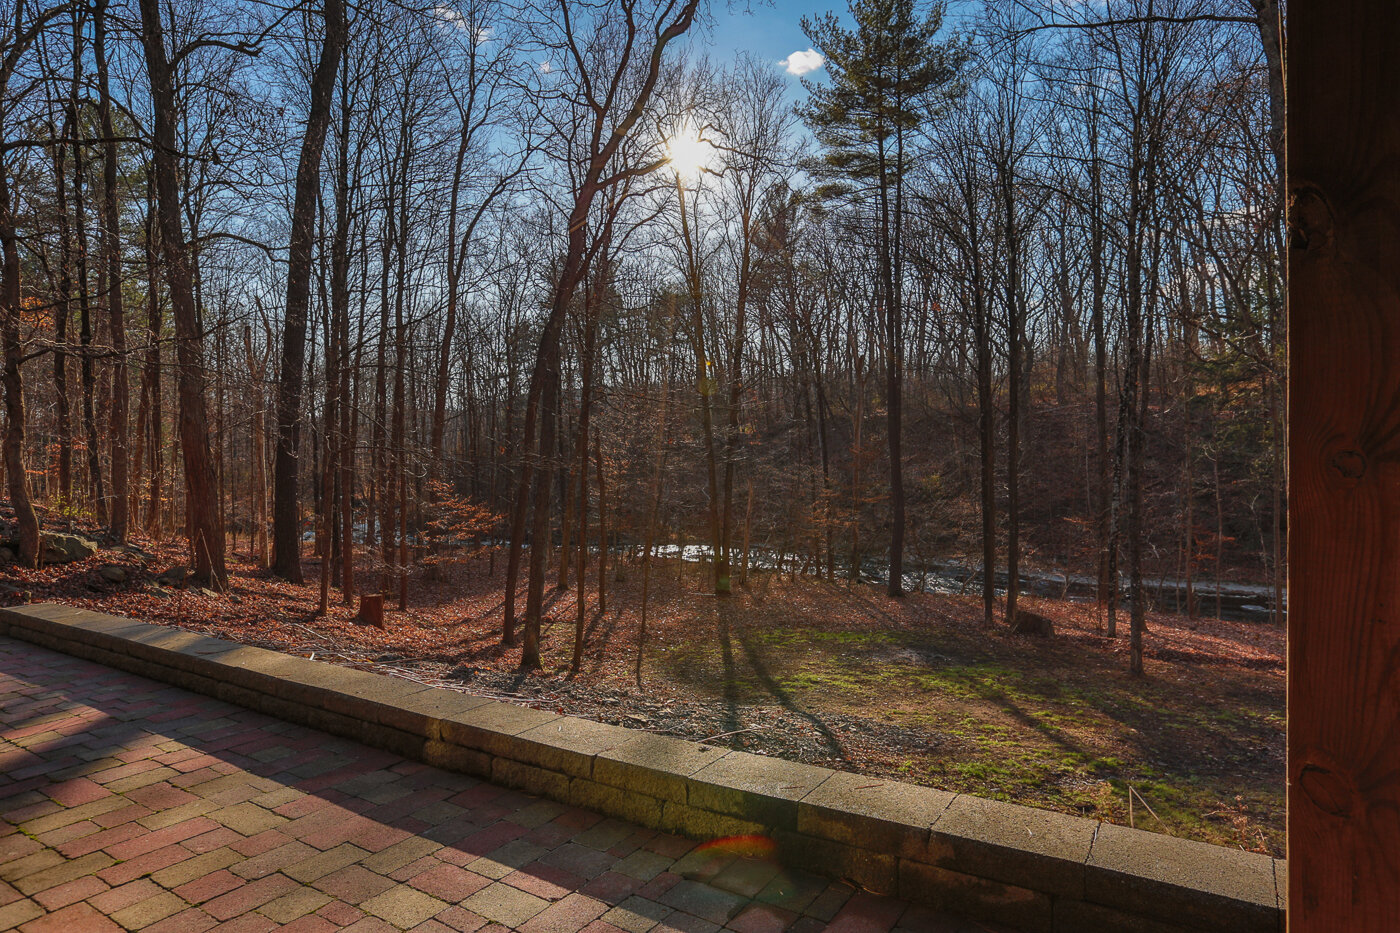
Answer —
(258, 538)
(285, 531)
(205, 528)
(111, 248)
(17, 480)
(602, 529)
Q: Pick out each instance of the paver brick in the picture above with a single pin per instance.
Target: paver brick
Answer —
(762, 918)
(77, 791)
(403, 906)
(637, 914)
(74, 814)
(450, 883)
(209, 886)
(354, 884)
(82, 845)
(62, 873)
(322, 864)
(149, 911)
(190, 869)
(612, 887)
(505, 904)
(133, 892)
(70, 919)
(18, 912)
(143, 865)
(248, 819)
(148, 842)
(573, 912)
(703, 901)
(249, 896)
(274, 860)
(190, 920)
(79, 889)
(400, 854)
(29, 864)
(294, 905)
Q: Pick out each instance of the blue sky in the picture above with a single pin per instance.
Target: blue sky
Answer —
(772, 31)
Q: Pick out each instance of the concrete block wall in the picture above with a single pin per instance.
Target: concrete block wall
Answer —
(1034, 870)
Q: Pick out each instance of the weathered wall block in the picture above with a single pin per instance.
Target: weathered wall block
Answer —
(539, 781)
(864, 868)
(972, 896)
(755, 787)
(614, 801)
(1204, 886)
(1072, 916)
(456, 758)
(567, 744)
(1013, 844)
(492, 726)
(882, 815)
(654, 764)
(705, 824)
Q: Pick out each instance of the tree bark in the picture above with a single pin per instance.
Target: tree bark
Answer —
(285, 531)
(202, 513)
(111, 248)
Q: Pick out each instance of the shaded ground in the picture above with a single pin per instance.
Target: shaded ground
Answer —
(825, 673)
(129, 804)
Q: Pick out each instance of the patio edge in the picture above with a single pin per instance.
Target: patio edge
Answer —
(1035, 870)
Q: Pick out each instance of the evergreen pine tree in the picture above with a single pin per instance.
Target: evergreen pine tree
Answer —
(886, 76)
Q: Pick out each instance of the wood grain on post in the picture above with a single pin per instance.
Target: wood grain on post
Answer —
(372, 609)
(1344, 462)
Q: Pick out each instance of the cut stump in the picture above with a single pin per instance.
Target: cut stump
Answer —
(372, 609)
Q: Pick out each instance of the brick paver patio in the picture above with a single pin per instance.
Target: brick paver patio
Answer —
(130, 804)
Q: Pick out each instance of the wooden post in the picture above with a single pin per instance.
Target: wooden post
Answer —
(1344, 466)
(372, 609)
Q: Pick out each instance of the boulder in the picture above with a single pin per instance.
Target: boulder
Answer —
(134, 551)
(59, 548)
(1031, 623)
(174, 576)
(112, 573)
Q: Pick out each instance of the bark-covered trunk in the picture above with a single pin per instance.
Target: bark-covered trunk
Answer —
(705, 386)
(96, 488)
(150, 374)
(17, 480)
(112, 254)
(202, 512)
(258, 537)
(62, 311)
(1015, 341)
(285, 531)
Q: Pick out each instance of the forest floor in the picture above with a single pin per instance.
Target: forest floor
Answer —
(841, 675)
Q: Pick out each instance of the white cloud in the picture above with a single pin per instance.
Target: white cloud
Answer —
(546, 68)
(445, 14)
(800, 63)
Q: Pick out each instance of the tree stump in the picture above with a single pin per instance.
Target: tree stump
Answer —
(372, 609)
(1031, 623)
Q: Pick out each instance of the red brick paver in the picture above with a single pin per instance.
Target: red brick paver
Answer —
(112, 786)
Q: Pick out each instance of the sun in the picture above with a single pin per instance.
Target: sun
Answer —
(689, 154)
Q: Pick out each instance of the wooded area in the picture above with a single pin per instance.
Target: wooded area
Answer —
(382, 281)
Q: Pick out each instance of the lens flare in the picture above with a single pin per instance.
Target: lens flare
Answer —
(689, 154)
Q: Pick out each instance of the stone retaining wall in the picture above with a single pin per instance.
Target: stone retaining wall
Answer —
(1031, 869)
